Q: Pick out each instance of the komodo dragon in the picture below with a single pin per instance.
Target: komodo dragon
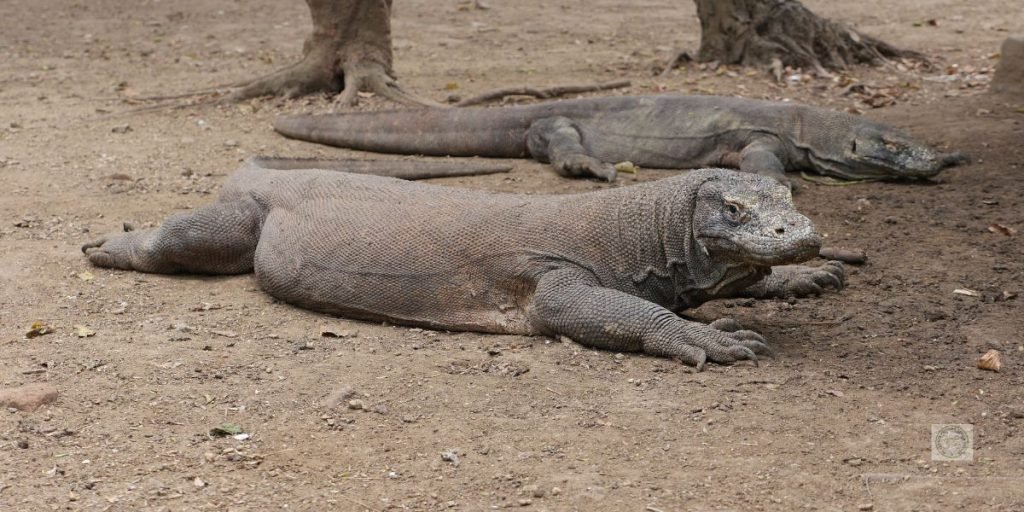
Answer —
(606, 269)
(585, 137)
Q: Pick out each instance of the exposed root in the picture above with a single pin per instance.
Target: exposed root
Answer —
(309, 75)
(541, 93)
(373, 79)
(753, 32)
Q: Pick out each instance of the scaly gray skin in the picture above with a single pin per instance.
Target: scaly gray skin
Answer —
(585, 137)
(608, 269)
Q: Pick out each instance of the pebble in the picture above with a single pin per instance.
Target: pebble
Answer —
(339, 397)
(866, 506)
(356, 404)
(555, 491)
(28, 397)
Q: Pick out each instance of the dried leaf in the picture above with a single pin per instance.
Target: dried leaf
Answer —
(626, 167)
(226, 334)
(966, 291)
(38, 328)
(1001, 229)
(86, 276)
(990, 361)
(83, 332)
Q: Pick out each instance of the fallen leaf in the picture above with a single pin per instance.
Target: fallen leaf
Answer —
(226, 334)
(1001, 229)
(967, 292)
(626, 167)
(451, 86)
(83, 332)
(38, 328)
(225, 430)
(990, 361)
(86, 276)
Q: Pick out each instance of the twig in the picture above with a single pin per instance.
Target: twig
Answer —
(541, 93)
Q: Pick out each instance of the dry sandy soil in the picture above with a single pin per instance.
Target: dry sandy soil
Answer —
(839, 420)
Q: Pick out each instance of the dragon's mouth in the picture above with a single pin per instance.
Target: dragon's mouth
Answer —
(762, 251)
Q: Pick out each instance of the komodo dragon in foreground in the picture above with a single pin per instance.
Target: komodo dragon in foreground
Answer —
(606, 269)
(585, 137)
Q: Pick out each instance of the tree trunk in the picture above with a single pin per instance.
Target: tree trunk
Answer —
(753, 32)
(349, 51)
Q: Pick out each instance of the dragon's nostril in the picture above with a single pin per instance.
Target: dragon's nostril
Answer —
(780, 231)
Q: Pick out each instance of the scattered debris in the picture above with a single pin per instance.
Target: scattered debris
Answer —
(450, 455)
(1001, 229)
(38, 328)
(339, 397)
(226, 429)
(990, 361)
(83, 332)
(626, 167)
(966, 291)
(28, 397)
(337, 332)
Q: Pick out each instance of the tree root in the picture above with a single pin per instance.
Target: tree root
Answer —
(541, 93)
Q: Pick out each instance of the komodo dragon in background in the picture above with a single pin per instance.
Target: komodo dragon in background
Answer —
(584, 137)
(607, 269)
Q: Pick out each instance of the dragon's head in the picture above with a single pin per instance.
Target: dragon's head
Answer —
(876, 151)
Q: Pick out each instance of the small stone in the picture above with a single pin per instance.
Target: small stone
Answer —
(339, 397)
(866, 506)
(450, 455)
(356, 404)
(854, 462)
(28, 397)
(231, 143)
(198, 482)
(185, 328)
(408, 419)
(123, 128)
(555, 491)
(525, 502)
(380, 409)
(23, 444)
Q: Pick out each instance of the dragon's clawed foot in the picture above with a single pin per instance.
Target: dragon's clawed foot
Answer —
(803, 281)
(585, 165)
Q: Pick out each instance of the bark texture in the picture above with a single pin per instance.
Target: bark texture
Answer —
(754, 32)
(349, 51)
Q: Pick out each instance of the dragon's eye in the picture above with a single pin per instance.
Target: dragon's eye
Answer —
(732, 209)
(734, 212)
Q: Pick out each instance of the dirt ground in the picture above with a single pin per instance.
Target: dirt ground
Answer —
(839, 420)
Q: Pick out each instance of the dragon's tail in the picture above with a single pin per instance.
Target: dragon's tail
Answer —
(487, 132)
